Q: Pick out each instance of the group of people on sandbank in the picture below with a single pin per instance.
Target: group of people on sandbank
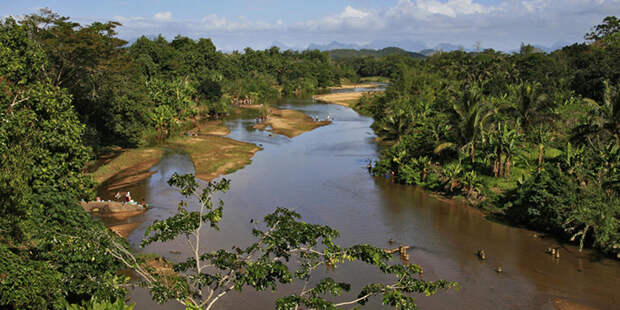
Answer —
(242, 101)
(124, 199)
(261, 119)
(327, 118)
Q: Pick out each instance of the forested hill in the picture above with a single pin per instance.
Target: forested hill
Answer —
(352, 53)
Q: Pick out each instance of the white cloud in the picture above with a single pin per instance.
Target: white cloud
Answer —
(163, 16)
(347, 20)
(214, 22)
(503, 25)
(451, 8)
(350, 12)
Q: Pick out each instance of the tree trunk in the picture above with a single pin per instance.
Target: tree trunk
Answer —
(501, 165)
(496, 168)
(507, 170)
(540, 155)
(473, 153)
(453, 184)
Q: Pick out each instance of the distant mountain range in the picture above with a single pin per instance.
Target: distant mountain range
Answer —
(346, 53)
(382, 48)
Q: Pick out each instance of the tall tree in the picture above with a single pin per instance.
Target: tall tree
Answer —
(90, 62)
(49, 247)
(469, 119)
(606, 114)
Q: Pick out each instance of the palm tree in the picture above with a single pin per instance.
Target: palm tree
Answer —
(608, 158)
(530, 103)
(469, 118)
(606, 114)
(394, 125)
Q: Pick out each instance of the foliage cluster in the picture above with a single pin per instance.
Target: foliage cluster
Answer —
(140, 94)
(66, 89)
(50, 253)
(536, 135)
(286, 250)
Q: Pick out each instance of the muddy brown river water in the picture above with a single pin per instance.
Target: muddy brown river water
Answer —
(322, 175)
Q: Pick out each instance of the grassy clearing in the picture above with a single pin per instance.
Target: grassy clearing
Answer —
(289, 123)
(127, 166)
(213, 155)
(525, 166)
(210, 128)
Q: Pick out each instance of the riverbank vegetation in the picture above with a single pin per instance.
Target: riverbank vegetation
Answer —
(51, 251)
(70, 92)
(533, 138)
(200, 281)
(143, 93)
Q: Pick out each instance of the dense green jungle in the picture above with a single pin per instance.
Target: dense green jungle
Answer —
(530, 138)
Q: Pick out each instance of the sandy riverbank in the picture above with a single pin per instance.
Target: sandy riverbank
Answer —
(353, 86)
(212, 154)
(288, 123)
(127, 166)
(343, 99)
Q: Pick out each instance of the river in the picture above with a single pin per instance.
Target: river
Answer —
(322, 175)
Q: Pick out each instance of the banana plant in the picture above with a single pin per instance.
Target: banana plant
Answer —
(503, 142)
(422, 164)
(542, 137)
(452, 172)
(471, 182)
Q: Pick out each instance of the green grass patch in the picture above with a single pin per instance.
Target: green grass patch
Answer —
(213, 155)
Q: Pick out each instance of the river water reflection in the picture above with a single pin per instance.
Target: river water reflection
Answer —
(322, 175)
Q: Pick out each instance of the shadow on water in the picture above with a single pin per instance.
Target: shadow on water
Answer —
(322, 175)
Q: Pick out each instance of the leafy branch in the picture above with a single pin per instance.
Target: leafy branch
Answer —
(281, 239)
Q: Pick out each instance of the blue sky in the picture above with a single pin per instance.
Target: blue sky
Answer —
(413, 24)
